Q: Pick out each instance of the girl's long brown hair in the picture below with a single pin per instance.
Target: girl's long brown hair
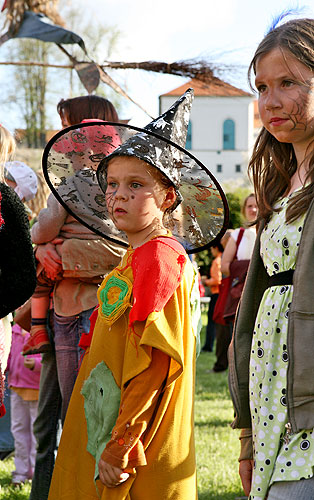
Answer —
(273, 163)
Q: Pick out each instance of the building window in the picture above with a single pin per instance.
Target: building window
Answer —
(228, 134)
(219, 169)
(188, 143)
(238, 168)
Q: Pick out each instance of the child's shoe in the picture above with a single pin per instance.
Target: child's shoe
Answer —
(38, 341)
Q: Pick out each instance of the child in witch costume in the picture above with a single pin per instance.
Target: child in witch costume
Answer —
(129, 428)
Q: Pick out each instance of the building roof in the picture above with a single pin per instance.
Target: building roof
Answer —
(213, 88)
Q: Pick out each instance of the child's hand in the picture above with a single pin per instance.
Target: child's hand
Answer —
(111, 476)
(29, 363)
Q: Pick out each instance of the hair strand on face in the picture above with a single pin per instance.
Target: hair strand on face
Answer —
(273, 163)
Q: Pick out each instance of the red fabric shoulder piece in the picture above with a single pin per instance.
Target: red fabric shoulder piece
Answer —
(158, 267)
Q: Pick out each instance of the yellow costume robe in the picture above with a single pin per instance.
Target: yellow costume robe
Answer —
(145, 336)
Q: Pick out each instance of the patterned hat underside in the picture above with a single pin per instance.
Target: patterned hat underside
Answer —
(70, 166)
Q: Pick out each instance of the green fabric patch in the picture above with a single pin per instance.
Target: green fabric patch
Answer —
(101, 403)
(112, 295)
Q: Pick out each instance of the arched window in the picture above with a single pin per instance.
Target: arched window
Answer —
(188, 143)
(228, 134)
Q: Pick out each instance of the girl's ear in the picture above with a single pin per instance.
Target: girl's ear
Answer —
(170, 198)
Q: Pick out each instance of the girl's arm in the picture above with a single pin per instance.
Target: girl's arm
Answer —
(228, 256)
(138, 403)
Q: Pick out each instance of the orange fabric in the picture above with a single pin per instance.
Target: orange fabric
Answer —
(215, 275)
(138, 404)
(26, 393)
(153, 363)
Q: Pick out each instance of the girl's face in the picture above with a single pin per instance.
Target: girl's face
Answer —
(135, 199)
(286, 98)
(250, 210)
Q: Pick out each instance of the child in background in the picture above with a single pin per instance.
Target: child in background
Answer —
(21, 178)
(23, 380)
(130, 419)
(213, 282)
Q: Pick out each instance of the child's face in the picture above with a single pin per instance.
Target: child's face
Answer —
(286, 98)
(135, 198)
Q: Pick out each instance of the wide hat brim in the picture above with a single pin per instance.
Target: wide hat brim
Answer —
(72, 157)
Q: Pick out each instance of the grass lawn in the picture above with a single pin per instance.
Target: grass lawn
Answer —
(217, 445)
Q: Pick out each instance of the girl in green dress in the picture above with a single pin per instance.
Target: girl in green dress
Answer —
(272, 352)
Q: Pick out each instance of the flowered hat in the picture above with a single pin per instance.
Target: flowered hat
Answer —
(200, 215)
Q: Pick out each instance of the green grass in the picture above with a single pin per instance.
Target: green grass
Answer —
(217, 445)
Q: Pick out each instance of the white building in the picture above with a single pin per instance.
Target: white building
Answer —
(221, 128)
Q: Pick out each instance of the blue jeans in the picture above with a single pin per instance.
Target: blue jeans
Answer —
(292, 490)
(58, 374)
(211, 327)
(67, 334)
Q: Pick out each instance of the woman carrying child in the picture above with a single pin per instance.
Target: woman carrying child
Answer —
(130, 419)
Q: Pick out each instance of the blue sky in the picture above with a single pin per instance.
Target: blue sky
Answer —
(222, 31)
(226, 31)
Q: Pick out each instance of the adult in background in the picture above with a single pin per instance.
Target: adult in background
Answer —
(244, 251)
(223, 331)
(60, 366)
(239, 248)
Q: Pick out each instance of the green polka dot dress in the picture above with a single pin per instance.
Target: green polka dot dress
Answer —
(278, 456)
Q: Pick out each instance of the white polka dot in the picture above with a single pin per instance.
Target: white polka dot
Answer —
(261, 455)
(281, 459)
(281, 417)
(265, 389)
(276, 429)
(294, 474)
(282, 372)
(258, 479)
(264, 411)
(265, 323)
(300, 461)
(279, 384)
(261, 434)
